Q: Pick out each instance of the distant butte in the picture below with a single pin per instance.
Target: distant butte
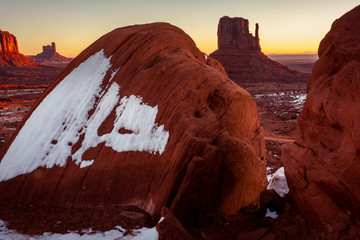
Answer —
(240, 54)
(233, 33)
(49, 55)
(9, 52)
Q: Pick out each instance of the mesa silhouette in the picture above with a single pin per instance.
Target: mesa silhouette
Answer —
(240, 54)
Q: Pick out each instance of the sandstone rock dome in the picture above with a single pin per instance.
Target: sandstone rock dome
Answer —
(322, 166)
(140, 118)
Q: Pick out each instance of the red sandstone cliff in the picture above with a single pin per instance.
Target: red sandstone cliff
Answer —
(233, 33)
(8, 43)
(140, 118)
(9, 52)
(240, 54)
(322, 166)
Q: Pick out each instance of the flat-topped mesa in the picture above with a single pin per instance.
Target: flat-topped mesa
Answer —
(9, 52)
(8, 43)
(233, 33)
(240, 54)
(49, 50)
(49, 55)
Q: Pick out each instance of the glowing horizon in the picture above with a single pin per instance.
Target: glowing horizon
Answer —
(285, 27)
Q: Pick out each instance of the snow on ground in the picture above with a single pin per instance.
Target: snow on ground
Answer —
(268, 171)
(271, 214)
(117, 233)
(297, 99)
(278, 182)
(62, 117)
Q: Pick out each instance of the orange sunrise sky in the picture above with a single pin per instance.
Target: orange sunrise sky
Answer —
(286, 26)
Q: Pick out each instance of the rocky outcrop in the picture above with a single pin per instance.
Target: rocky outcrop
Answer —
(240, 54)
(50, 56)
(8, 43)
(322, 166)
(140, 118)
(9, 52)
(48, 51)
(233, 33)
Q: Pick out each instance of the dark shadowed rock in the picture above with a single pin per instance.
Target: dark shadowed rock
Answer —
(270, 199)
(169, 228)
(322, 166)
(140, 118)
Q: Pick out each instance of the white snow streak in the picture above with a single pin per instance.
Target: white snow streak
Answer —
(278, 182)
(47, 137)
(161, 219)
(85, 163)
(133, 115)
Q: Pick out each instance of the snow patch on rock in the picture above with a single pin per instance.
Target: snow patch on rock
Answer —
(85, 163)
(133, 115)
(47, 137)
(278, 182)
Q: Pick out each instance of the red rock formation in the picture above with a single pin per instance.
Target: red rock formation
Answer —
(233, 33)
(322, 166)
(49, 55)
(169, 228)
(201, 152)
(9, 52)
(240, 54)
(8, 43)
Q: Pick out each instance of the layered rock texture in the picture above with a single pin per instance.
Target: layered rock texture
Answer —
(322, 166)
(9, 52)
(233, 33)
(8, 43)
(240, 54)
(49, 55)
(140, 118)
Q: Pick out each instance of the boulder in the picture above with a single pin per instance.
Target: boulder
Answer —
(140, 118)
(322, 166)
